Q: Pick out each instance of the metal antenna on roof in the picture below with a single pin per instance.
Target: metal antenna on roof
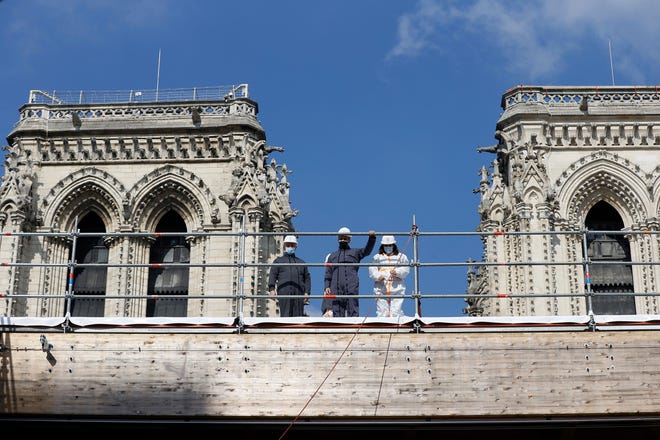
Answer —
(158, 75)
(609, 42)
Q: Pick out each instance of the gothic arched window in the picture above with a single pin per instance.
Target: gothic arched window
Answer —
(168, 281)
(90, 280)
(609, 248)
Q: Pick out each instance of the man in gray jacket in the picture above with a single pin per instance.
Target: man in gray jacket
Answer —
(343, 279)
(291, 278)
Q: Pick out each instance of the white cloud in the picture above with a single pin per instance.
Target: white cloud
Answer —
(536, 38)
(416, 30)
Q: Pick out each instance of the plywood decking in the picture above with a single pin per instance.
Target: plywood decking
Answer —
(355, 375)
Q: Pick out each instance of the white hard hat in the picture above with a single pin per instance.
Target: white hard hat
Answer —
(290, 239)
(344, 231)
(388, 239)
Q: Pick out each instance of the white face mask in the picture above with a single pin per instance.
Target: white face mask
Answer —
(388, 249)
(289, 250)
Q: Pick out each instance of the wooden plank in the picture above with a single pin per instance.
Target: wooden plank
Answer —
(429, 375)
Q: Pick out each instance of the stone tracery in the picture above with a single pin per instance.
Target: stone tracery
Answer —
(554, 162)
(131, 163)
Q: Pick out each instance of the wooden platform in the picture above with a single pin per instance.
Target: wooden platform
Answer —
(370, 377)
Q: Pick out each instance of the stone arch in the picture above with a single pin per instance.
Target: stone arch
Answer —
(607, 177)
(533, 194)
(609, 248)
(8, 197)
(86, 190)
(157, 208)
(90, 280)
(497, 213)
(168, 188)
(166, 281)
(246, 202)
(8, 206)
(654, 188)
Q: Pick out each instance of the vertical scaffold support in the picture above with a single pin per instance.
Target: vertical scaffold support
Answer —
(241, 277)
(416, 293)
(587, 280)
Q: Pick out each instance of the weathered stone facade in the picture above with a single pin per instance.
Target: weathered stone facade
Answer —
(561, 152)
(130, 161)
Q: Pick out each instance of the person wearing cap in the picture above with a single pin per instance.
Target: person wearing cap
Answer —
(388, 272)
(341, 279)
(289, 278)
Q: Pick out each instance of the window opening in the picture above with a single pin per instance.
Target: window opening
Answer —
(168, 281)
(609, 278)
(90, 280)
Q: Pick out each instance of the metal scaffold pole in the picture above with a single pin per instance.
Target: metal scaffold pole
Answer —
(241, 284)
(71, 275)
(416, 293)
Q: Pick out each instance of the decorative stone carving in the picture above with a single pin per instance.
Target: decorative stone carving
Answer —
(553, 163)
(130, 163)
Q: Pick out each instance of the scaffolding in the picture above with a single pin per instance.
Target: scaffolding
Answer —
(419, 269)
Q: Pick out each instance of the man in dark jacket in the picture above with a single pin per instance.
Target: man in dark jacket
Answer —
(343, 279)
(291, 279)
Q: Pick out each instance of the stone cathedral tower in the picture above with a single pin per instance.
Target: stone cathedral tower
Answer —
(571, 159)
(138, 164)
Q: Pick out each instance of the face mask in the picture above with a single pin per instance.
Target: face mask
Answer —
(343, 244)
(289, 250)
(388, 249)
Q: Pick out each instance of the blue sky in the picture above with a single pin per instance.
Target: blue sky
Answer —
(380, 105)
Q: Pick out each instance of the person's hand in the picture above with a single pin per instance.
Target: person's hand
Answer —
(327, 291)
(306, 300)
(271, 292)
(372, 233)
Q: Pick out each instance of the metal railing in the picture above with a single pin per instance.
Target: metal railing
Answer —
(580, 96)
(64, 97)
(420, 270)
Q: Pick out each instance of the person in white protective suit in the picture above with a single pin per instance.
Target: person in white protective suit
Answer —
(388, 276)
